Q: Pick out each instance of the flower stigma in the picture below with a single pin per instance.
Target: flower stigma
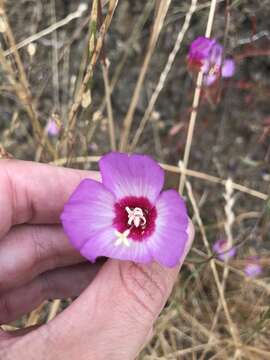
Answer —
(135, 216)
(122, 238)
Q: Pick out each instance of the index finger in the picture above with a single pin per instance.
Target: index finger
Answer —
(35, 193)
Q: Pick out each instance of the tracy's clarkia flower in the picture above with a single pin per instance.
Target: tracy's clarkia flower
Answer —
(207, 54)
(223, 250)
(52, 128)
(127, 217)
(253, 268)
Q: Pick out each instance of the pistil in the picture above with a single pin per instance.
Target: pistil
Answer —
(135, 217)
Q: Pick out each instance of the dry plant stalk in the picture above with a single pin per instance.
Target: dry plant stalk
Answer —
(25, 98)
(229, 203)
(162, 10)
(21, 88)
(89, 71)
(229, 220)
(258, 282)
(34, 316)
(176, 170)
(4, 154)
(54, 308)
(196, 100)
(164, 75)
(126, 51)
(111, 127)
(232, 327)
(55, 59)
(75, 15)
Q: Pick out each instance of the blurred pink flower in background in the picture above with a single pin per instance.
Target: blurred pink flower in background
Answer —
(207, 55)
(52, 128)
(253, 267)
(223, 250)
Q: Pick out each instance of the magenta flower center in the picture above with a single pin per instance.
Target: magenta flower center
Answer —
(136, 217)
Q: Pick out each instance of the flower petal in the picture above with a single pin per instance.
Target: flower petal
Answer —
(215, 56)
(200, 48)
(52, 128)
(103, 243)
(169, 243)
(228, 68)
(134, 175)
(223, 250)
(89, 210)
(209, 79)
(252, 270)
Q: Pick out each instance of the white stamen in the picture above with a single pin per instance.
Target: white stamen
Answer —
(135, 216)
(137, 221)
(122, 238)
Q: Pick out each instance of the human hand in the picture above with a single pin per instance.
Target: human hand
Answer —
(113, 316)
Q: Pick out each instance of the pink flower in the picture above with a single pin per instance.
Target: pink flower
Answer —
(207, 54)
(127, 217)
(52, 128)
(223, 250)
(253, 268)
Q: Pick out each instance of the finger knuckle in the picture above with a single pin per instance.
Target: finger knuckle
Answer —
(42, 250)
(19, 200)
(39, 249)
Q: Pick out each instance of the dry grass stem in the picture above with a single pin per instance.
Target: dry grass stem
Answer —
(111, 127)
(127, 49)
(89, 71)
(163, 75)
(54, 308)
(229, 220)
(163, 7)
(176, 170)
(34, 316)
(232, 326)
(21, 88)
(196, 100)
(57, 25)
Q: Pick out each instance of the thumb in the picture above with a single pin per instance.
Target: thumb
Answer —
(114, 316)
